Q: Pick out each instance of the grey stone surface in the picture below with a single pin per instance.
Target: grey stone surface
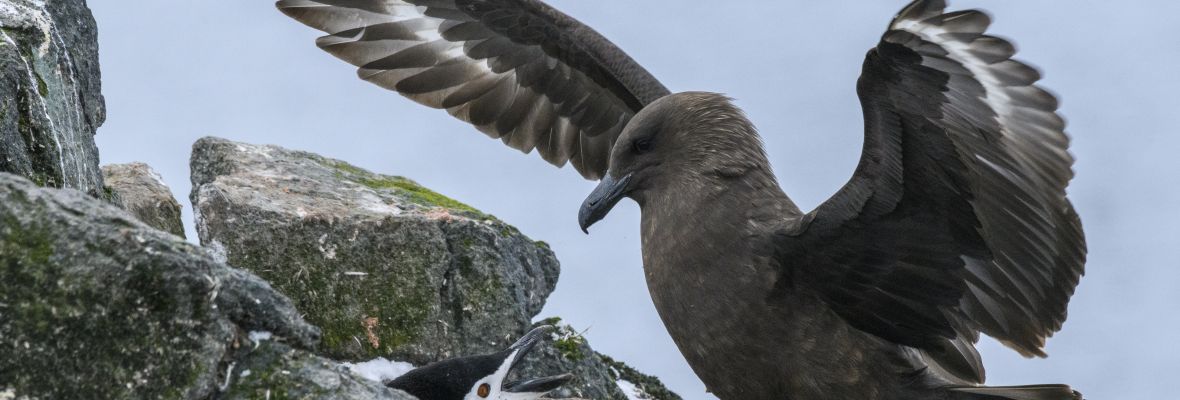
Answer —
(384, 266)
(270, 370)
(95, 304)
(565, 350)
(137, 188)
(596, 376)
(645, 386)
(50, 98)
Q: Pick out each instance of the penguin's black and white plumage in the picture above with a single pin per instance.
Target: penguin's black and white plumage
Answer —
(480, 377)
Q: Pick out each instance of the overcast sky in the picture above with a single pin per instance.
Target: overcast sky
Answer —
(174, 71)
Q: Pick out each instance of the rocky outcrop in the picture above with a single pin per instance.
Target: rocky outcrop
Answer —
(50, 98)
(384, 266)
(566, 350)
(596, 376)
(635, 384)
(389, 268)
(137, 188)
(273, 370)
(95, 304)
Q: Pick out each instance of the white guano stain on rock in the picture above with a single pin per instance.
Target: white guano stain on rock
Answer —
(33, 83)
(29, 16)
(66, 119)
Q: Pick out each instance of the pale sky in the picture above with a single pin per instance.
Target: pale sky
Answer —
(174, 71)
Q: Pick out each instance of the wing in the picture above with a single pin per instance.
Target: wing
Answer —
(956, 220)
(518, 70)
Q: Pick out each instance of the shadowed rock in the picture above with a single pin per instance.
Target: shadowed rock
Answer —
(384, 266)
(596, 376)
(273, 370)
(95, 302)
(141, 191)
(50, 98)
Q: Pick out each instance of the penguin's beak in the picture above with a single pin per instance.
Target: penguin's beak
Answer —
(537, 386)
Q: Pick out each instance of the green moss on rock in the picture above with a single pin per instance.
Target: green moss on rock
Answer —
(52, 313)
(384, 266)
(410, 190)
(367, 310)
(42, 87)
(94, 304)
(647, 383)
(570, 343)
(274, 371)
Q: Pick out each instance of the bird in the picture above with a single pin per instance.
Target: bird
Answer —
(954, 224)
(480, 377)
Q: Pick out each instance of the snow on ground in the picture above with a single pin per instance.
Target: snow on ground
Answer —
(633, 392)
(380, 369)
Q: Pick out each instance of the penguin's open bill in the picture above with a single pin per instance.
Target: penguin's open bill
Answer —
(480, 377)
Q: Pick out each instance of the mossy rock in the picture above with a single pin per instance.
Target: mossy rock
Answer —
(98, 305)
(50, 102)
(384, 266)
(274, 371)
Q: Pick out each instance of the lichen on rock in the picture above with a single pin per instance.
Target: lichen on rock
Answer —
(272, 370)
(96, 302)
(137, 188)
(566, 350)
(50, 99)
(646, 386)
(386, 267)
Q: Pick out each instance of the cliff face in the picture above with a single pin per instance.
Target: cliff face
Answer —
(50, 98)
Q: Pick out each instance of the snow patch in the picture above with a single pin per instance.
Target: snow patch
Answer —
(380, 369)
(632, 391)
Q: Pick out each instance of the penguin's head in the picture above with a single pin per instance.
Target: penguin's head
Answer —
(480, 377)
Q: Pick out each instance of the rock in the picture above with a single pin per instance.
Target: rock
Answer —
(566, 350)
(384, 266)
(271, 370)
(96, 304)
(50, 98)
(596, 376)
(638, 384)
(141, 191)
